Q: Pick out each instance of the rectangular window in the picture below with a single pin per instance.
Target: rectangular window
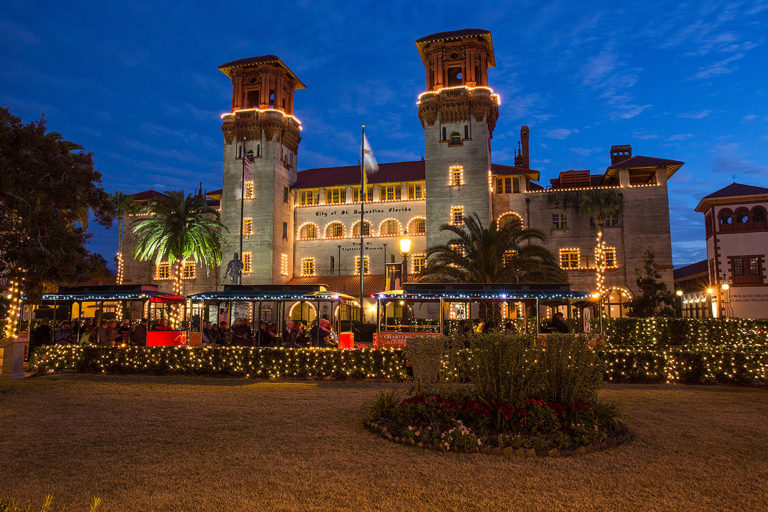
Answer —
(516, 185)
(284, 264)
(246, 262)
(307, 197)
(457, 248)
(466, 131)
(333, 264)
(457, 215)
(189, 270)
(285, 231)
(163, 271)
(285, 194)
(366, 269)
(737, 267)
(307, 266)
(559, 221)
(389, 192)
(610, 257)
(456, 177)
(508, 257)
(421, 227)
(754, 266)
(247, 226)
(569, 258)
(336, 195)
(419, 263)
(390, 228)
(249, 189)
(356, 194)
(416, 191)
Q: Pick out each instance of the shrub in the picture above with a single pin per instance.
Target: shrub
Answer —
(503, 367)
(570, 370)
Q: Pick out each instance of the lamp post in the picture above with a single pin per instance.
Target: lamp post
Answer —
(405, 249)
(679, 301)
(724, 290)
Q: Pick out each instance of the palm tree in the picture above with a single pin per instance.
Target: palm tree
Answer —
(179, 227)
(601, 205)
(122, 204)
(494, 254)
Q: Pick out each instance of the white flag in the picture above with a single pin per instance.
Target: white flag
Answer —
(369, 161)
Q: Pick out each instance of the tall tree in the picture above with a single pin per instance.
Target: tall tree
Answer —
(655, 298)
(493, 254)
(48, 190)
(601, 205)
(179, 227)
(123, 205)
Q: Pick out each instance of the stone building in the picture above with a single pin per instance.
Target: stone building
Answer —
(736, 226)
(304, 227)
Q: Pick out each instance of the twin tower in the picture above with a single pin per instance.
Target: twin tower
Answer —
(458, 112)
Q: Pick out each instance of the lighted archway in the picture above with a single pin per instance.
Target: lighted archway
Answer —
(305, 313)
(390, 227)
(616, 301)
(334, 229)
(309, 231)
(417, 226)
(367, 229)
(506, 217)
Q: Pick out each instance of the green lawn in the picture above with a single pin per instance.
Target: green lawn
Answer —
(176, 443)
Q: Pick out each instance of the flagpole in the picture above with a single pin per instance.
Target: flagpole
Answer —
(242, 203)
(362, 217)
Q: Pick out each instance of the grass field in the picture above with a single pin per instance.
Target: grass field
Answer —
(199, 444)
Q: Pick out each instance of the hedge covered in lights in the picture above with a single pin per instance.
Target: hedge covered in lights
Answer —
(224, 361)
(673, 365)
(703, 333)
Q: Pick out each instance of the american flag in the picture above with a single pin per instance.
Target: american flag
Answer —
(247, 167)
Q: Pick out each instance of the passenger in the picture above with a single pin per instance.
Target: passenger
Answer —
(557, 324)
(139, 334)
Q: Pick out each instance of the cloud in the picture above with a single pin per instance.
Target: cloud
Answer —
(586, 151)
(751, 117)
(645, 136)
(700, 114)
(560, 133)
(721, 67)
(679, 137)
(597, 68)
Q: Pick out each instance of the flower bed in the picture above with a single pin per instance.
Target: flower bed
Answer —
(531, 428)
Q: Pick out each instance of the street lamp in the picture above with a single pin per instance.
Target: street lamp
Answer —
(405, 249)
(679, 293)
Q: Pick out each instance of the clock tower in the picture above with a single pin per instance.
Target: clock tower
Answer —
(261, 127)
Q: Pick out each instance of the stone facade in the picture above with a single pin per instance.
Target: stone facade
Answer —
(295, 217)
(736, 220)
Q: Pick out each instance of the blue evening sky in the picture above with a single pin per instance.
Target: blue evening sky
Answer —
(137, 84)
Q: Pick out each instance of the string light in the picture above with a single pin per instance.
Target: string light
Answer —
(14, 306)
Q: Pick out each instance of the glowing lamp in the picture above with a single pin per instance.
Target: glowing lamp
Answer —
(405, 246)
(710, 291)
(725, 286)
(679, 293)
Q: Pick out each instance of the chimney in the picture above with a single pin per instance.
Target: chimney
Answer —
(524, 139)
(620, 153)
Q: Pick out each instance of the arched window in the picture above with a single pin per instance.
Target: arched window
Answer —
(507, 217)
(334, 230)
(742, 216)
(725, 217)
(308, 232)
(417, 226)
(758, 217)
(389, 227)
(366, 229)
(455, 139)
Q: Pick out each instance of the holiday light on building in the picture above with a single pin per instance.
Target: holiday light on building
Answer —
(120, 268)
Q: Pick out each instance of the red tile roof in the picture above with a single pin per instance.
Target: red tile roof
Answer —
(640, 161)
(253, 61)
(737, 189)
(700, 267)
(388, 173)
(349, 285)
(147, 195)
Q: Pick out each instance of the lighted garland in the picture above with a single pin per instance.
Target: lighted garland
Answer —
(14, 307)
(676, 365)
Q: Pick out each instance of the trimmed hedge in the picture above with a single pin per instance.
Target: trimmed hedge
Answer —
(703, 333)
(621, 364)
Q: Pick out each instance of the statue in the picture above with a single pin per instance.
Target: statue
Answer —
(234, 269)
